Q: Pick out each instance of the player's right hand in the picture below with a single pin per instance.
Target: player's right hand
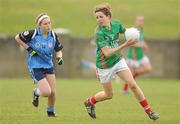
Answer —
(130, 42)
(60, 60)
(31, 51)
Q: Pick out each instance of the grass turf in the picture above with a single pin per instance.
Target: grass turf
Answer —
(16, 107)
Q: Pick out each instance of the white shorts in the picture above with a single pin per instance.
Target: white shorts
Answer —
(137, 63)
(105, 75)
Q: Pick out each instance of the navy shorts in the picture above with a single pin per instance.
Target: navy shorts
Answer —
(39, 73)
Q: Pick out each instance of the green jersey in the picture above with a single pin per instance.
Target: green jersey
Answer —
(137, 53)
(109, 38)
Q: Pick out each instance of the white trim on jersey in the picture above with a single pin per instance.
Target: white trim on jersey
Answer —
(35, 31)
(54, 36)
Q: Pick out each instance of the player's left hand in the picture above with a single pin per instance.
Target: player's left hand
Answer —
(146, 47)
(60, 60)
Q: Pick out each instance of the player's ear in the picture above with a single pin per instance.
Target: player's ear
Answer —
(109, 16)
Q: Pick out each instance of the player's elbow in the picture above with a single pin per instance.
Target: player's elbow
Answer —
(17, 38)
(107, 54)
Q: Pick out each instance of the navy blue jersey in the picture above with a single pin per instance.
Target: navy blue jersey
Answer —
(44, 47)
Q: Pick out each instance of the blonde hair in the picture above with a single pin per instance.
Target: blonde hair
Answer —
(39, 18)
(105, 8)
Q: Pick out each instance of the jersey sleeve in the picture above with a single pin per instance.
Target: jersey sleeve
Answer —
(58, 45)
(26, 35)
(100, 40)
(122, 29)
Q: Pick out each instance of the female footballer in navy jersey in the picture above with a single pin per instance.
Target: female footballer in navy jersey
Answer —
(40, 44)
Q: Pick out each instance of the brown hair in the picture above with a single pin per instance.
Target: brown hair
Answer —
(39, 16)
(105, 8)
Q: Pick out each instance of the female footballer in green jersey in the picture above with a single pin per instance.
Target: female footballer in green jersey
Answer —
(137, 61)
(109, 62)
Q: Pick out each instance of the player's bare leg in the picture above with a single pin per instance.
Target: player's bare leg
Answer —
(127, 77)
(125, 90)
(43, 89)
(52, 97)
(144, 68)
(100, 96)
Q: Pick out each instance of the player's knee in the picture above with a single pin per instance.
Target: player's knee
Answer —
(130, 81)
(53, 92)
(109, 95)
(46, 93)
(133, 86)
(149, 69)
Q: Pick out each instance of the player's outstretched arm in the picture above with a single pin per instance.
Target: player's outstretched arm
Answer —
(110, 51)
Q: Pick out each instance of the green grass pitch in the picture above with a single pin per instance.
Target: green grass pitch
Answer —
(16, 107)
